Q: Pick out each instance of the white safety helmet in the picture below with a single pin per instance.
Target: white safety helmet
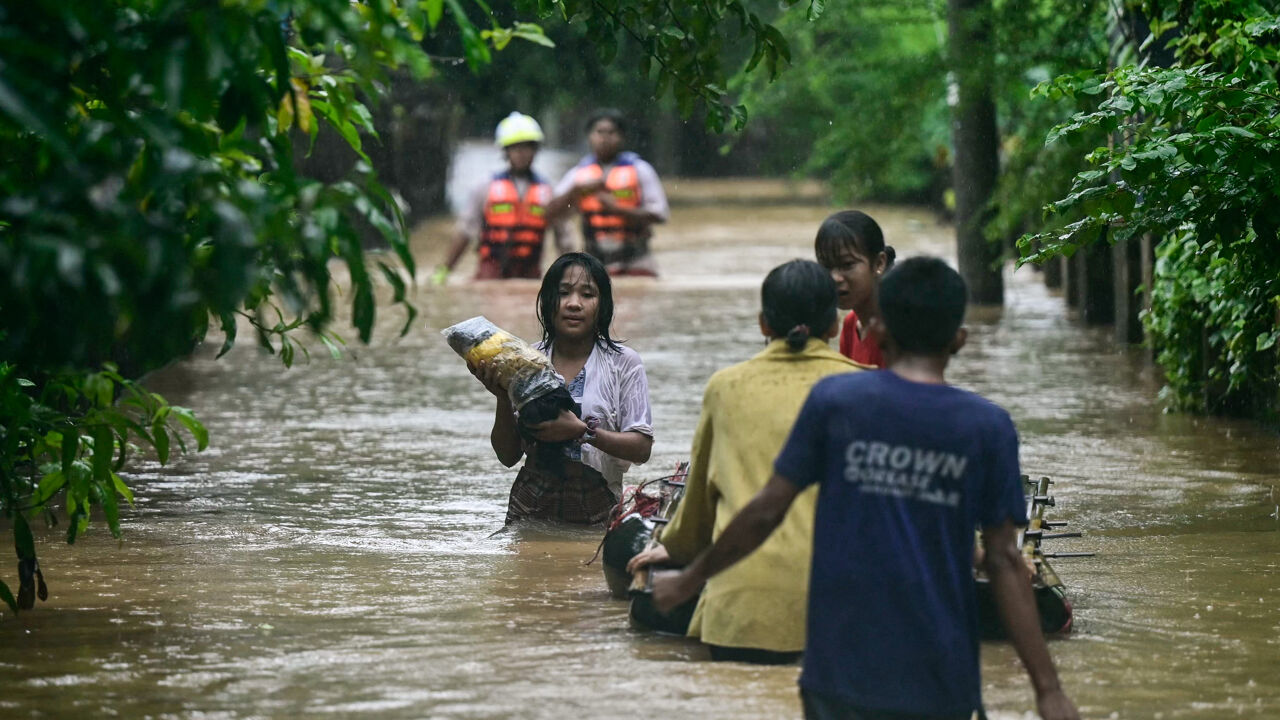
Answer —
(518, 128)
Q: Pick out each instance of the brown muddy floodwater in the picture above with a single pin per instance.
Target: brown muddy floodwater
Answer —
(333, 554)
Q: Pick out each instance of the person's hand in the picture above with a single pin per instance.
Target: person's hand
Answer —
(655, 555)
(588, 187)
(608, 201)
(565, 427)
(440, 275)
(672, 587)
(488, 376)
(1055, 705)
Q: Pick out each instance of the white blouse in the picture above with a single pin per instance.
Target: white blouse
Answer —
(617, 392)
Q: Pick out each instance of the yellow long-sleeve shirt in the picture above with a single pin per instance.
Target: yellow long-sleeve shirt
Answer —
(747, 413)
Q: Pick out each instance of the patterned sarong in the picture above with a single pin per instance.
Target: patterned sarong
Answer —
(577, 495)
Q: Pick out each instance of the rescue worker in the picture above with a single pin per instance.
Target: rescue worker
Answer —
(619, 197)
(509, 214)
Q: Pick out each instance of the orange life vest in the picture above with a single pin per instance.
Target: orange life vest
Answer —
(602, 229)
(514, 226)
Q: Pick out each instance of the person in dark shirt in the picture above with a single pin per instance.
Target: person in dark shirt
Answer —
(907, 466)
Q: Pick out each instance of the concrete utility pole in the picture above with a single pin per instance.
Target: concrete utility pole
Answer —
(977, 145)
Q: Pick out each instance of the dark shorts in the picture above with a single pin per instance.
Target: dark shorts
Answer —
(577, 495)
(755, 656)
(820, 706)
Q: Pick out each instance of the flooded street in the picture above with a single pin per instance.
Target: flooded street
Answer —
(334, 552)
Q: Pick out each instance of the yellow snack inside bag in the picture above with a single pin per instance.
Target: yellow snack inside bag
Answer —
(523, 371)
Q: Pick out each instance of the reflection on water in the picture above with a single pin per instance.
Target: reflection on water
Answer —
(335, 552)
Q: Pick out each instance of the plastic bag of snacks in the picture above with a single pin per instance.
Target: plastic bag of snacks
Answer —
(524, 372)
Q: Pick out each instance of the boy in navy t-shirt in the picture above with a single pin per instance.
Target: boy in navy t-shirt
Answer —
(907, 467)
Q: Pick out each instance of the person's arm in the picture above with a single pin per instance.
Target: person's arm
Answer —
(1005, 569)
(504, 437)
(567, 194)
(653, 196)
(460, 242)
(632, 446)
(639, 218)
(469, 226)
(746, 532)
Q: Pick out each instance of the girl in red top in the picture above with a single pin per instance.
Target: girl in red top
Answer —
(851, 246)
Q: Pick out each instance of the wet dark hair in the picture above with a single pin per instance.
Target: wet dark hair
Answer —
(549, 297)
(798, 300)
(922, 304)
(850, 229)
(610, 114)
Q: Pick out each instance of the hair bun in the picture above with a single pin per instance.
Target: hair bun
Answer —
(798, 337)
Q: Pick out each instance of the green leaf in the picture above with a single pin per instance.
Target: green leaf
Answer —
(70, 447)
(362, 311)
(160, 436)
(345, 128)
(1266, 341)
(499, 37)
(7, 596)
(122, 489)
(435, 10)
(110, 508)
(1237, 131)
(103, 449)
(228, 321)
(50, 484)
(393, 278)
(194, 426)
(473, 46)
(533, 33)
(23, 542)
(334, 352)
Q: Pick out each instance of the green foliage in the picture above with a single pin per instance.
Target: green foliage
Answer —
(1205, 152)
(1196, 165)
(1215, 316)
(680, 45)
(864, 105)
(1038, 41)
(147, 186)
(70, 438)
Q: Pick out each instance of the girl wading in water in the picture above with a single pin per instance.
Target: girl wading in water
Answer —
(851, 245)
(580, 483)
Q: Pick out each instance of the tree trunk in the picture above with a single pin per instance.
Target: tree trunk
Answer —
(1127, 269)
(973, 129)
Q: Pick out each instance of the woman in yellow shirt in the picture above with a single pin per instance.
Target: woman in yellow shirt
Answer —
(755, 611)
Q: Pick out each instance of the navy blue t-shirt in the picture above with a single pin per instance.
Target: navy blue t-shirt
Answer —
(907, 471)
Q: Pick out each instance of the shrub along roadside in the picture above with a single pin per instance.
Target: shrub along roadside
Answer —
(72, 438)
(1199, 170)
